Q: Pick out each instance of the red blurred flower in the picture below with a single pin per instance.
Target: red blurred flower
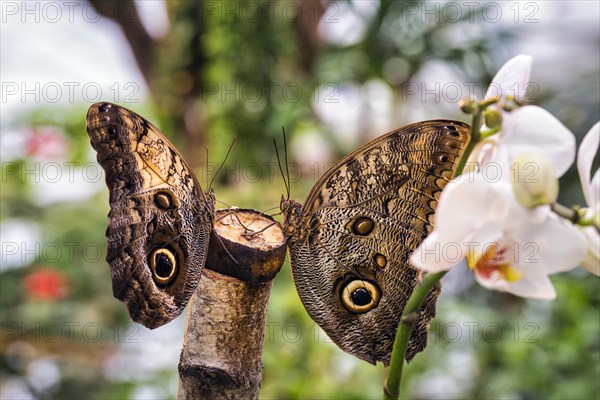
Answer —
(46, 142)
(46, 284)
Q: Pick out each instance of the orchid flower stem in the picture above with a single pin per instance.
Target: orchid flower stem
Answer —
(409, 317)
(391, 387)
(575, 215)
(592, 221)
(488, 102)
(589, 222)
(475, 137)
(566, 212)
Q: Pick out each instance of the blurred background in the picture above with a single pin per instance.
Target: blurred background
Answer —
(334, 74)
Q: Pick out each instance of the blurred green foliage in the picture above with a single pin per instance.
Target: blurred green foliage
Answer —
(481, 345)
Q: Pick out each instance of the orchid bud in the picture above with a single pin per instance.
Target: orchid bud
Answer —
(492, 118)
(468, 105)
(534, 181)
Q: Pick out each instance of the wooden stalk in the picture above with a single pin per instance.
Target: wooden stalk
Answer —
(222, 349)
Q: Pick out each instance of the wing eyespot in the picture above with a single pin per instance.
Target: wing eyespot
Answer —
(360, 296)
(164, 266)
(361, 226)
(164, 201)
(380, 260)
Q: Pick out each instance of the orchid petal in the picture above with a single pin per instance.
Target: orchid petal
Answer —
(585, 157)
(534, 283)
(533, 286)
(453, 231)
(431, 255)
(467, 192)
(492, 283)
(435, 255)
(488, 235)
(534, 128)
(595, 190)
(521, 217)
(553, 245)
(485, 201)
(512, 79)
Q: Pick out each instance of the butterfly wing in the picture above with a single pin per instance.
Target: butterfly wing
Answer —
(357, 229)
(160, 219)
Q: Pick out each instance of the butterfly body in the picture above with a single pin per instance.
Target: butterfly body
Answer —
(350, 241)
(160, 219)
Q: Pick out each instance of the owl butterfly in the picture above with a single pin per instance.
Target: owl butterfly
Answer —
(160, 219)
(350, 241)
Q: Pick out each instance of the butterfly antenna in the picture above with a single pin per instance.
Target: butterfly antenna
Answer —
(226, 249)
(230, 214)
(266, 211)
(207, 167)
(222, 202)
(251, 233)
(281, 168)
(223, 163)
(287, 169)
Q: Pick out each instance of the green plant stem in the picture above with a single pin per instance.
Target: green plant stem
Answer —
(391, 387)
(575, 215)
(407, 321)
(565, 212)
(483, 104)
(475, 137)
(592, 221)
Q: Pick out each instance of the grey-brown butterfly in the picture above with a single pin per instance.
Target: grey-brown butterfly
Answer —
(160, 219)
(350, 241)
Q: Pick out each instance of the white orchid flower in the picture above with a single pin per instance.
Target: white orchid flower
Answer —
(527, 129)
(508, 247)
